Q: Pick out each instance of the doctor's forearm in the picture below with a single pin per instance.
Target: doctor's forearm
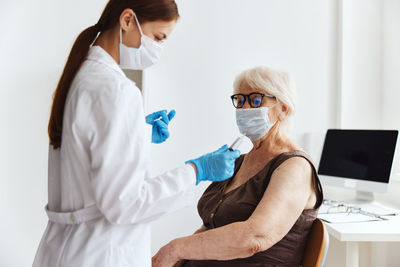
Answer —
(236, 240)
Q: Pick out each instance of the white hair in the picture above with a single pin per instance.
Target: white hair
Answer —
(273, 82)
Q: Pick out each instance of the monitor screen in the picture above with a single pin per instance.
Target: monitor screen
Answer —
(358, 154)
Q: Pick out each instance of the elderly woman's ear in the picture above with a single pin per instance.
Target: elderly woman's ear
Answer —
(284, 112)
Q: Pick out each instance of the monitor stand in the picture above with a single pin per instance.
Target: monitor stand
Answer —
(362, 197)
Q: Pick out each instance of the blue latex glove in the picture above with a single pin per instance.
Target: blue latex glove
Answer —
(216, 166)
(160, 120)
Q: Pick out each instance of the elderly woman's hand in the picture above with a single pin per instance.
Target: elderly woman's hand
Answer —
(166, 257)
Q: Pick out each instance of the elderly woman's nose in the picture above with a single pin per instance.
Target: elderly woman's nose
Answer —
(246, 105)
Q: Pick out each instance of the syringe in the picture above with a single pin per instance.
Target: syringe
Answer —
(237, 143)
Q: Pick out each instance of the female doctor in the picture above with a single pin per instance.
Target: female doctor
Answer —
(101, 198)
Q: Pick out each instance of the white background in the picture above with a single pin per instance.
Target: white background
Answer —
(344, 59)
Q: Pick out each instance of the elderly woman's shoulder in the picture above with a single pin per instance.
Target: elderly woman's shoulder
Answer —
(296, 160)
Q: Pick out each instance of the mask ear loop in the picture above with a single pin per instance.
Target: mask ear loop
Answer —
(95, 39)
(269, 109)
(138, 24)
(97, 35)
(281, 116)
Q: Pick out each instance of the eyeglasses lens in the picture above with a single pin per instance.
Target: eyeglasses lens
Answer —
(256, 100)
(239, 101)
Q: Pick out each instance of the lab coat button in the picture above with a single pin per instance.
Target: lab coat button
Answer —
(73, 218)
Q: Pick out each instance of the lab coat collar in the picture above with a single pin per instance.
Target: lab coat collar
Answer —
(98, 54)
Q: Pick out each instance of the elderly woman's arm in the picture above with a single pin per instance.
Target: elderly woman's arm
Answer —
(286, 197)
(200, 230)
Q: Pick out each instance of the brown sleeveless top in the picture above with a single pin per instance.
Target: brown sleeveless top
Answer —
(218, 209)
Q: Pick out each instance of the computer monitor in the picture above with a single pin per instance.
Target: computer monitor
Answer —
(358, 159)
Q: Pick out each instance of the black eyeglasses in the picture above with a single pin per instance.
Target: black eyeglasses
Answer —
(255, 100)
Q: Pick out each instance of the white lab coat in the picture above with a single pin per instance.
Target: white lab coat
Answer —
(103, 162)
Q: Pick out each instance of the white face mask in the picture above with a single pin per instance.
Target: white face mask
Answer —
(253, 122)
(139, 58)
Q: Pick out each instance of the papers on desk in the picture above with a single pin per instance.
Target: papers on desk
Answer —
(347, 217)
(346, 213)
(378, 210)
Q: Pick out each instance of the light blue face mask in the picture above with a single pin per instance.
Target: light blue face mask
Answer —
(253, 122)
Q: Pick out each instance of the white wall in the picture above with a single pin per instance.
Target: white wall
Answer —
(391, 69)
(213, 42)
(361, 64)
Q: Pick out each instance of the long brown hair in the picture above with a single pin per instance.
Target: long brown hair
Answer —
(145, 10)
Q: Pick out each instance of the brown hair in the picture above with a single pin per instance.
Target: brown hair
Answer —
(145, 10)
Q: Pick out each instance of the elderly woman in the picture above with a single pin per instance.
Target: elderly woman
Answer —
(262, 216)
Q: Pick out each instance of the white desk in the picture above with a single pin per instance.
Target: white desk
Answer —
(353, 233)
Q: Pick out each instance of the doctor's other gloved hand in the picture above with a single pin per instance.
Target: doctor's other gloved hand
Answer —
(216, 166)
(160, 120)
